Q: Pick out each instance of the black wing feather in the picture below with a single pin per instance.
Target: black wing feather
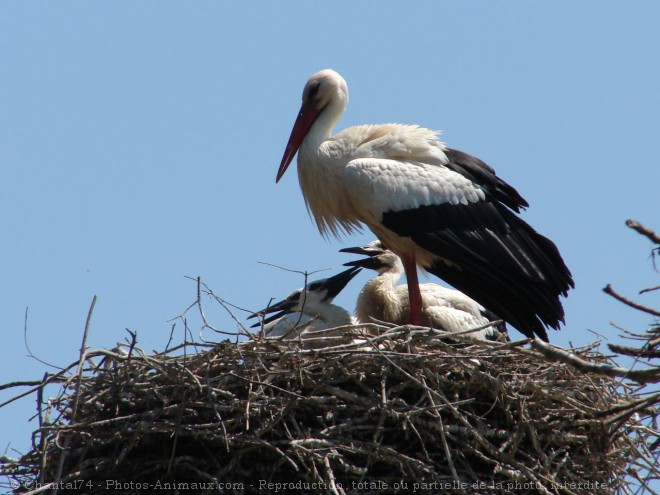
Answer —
(496, 258)
(480, 173)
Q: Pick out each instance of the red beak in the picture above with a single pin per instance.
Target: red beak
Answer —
(306, 118)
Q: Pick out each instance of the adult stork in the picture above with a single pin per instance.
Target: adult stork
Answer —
(442, 308)
(436, 207)
(307, 309)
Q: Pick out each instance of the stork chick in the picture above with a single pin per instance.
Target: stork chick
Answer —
(307, 310)
(442, 308)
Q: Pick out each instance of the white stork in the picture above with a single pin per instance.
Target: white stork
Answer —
(307, 309)
(434, 206)
(443, 308)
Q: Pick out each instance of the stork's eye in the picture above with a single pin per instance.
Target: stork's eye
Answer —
(314, 286)
(313, 90)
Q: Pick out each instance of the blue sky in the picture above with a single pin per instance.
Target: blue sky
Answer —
(139, 143)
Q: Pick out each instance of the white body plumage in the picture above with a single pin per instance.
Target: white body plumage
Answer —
(442, 308)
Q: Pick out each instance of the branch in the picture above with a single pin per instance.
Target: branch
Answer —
(643, 352)
(564, 356)
(79, 373)
(645, 231)
(27, 345)
(608, 290)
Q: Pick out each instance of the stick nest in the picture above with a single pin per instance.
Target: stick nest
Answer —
(408, 409)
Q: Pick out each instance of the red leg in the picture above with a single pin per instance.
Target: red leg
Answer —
(414, 294)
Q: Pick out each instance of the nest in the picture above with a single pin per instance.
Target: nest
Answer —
(407, 409)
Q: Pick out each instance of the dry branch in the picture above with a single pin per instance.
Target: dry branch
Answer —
(609, 291)
(645, 231)
(640, 376)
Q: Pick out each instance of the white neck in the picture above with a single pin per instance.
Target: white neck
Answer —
(381, 298)
(322, 128)
(321, 163)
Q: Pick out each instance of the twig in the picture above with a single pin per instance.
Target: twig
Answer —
(27, 345)
(305, 273)
(52, 378)
(608, 290)
(81, 361)
(639, 352)
(645, 231)
(21, 384)
(558, 354)
(225, 305)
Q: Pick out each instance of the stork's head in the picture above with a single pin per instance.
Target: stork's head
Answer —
(328, 288)
(379, 258)
(309, 298)
(326, 94)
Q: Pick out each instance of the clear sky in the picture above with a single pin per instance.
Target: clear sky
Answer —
(139, 143)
